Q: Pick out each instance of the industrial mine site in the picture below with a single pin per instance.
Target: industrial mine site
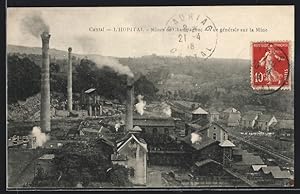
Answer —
(84, 121)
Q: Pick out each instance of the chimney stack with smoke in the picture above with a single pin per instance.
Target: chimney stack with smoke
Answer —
(129, 103)
(70, 100)
(45, 84)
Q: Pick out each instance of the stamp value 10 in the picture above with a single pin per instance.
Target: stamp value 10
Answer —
(270, 66)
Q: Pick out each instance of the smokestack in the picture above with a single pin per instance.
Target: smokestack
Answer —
(70, 100)
(129, 104)
(45, 84)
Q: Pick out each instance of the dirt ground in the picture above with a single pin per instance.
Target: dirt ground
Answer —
(155, 178)
(21, 166)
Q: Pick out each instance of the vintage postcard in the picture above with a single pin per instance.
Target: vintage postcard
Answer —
(169, 97)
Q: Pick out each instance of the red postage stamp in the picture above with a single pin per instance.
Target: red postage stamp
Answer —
(270, 66)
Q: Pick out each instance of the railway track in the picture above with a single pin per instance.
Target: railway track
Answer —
(264, 149)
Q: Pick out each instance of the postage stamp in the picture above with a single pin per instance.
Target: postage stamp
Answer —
(270, 66)
(192, 34)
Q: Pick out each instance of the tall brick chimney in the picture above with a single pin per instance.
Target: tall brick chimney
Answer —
(70, 100)
(129, 104)
(45, 85)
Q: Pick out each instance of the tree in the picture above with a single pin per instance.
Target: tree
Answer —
(24, 78)
(146, 88)
(119, 175)
(108, 82)
(83, 162)
(54, 68)
(58, 83)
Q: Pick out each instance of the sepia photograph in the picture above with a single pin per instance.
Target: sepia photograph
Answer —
(150, 97)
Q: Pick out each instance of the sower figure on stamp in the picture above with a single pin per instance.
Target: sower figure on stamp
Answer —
(268, 60)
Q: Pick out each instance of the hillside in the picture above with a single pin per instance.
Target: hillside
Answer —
(211, 81)
(58, 54)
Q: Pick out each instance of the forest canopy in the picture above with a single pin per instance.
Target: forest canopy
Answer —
(24, 80)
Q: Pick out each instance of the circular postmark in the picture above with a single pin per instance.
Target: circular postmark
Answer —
(270, 68)
(191, 34)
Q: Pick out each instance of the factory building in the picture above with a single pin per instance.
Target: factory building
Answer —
(154, 124)
(91, 102)
(132, 153)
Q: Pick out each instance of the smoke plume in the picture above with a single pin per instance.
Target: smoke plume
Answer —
(35, 25)
(90, 46)
(41, 137)
(140, 106)
(117, 126)
(113, 64)
(166, 109)
(195, 138)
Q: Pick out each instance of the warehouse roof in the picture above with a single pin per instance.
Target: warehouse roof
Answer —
(214, 123)
(284, 124)
(249, 116)
(153, 122)
(206, 161)
(264, 118)
(200, 144)
(250, 159)
(194, 126)
(234, 118)
(276, 172)
(136, 129)
(199, 111)
(140, 141)
(47, 157)
(257, 167)
(90, 90)
(227, 143)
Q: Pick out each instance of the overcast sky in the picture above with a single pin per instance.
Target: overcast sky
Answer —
(70, 27)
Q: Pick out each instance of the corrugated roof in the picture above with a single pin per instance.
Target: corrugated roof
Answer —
(276, 172)
(154, 122)
(201, 144)
(249, 117)
(257, 167)
(90, 90)
(227, 143)
(107, 141)
(283, 115)
(47, 157)
(200, 121)
(234, 118)
(264, 118)
(251, 159)
(136, 129)
(140, 141)
(213, 123)
(206, 161)
(281, 174)
(284, 124)
(90, 130)
(151, 115)
(195, 126)
(199, 111)
(186, 104)
(268, 169)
